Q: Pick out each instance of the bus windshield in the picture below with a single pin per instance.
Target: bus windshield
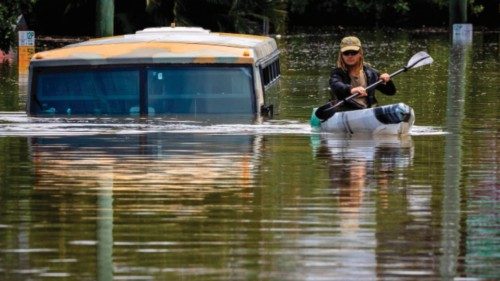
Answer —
(169, 89)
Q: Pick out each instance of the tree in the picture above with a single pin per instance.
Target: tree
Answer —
(378, 8)
(9, 14)
(221, 15)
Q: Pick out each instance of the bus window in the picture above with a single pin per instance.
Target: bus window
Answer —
(201, 90)
(96, 92)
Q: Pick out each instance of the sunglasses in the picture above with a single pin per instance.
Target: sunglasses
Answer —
(350, 53)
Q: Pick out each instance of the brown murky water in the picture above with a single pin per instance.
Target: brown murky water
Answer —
(107, 199)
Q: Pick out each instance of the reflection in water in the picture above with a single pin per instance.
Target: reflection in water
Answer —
(359, 164)
(177, 165)
(361, 169)
(354, 161)
(104, 230)
(130, 176)
(457, 70)
(199, 203)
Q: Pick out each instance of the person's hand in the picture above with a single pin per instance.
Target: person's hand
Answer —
(360, 90)
(385, 77)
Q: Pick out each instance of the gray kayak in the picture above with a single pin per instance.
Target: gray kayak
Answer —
(393, 119)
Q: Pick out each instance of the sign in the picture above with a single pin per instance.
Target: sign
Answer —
(462, 33)
(26, 50)
(26, 38)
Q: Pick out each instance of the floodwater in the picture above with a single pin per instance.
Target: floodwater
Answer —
(162, 199)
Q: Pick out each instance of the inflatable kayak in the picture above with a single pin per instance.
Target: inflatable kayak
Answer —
(393, 119)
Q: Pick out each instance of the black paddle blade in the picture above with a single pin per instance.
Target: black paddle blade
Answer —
(325, 111)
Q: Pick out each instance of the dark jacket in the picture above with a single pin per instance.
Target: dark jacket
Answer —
(340, 84)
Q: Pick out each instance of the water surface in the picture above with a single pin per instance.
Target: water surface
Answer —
(157, 199)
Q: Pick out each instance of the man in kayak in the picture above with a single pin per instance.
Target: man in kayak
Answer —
(353, 75)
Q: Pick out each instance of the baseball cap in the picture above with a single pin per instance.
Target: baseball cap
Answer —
(350, 43)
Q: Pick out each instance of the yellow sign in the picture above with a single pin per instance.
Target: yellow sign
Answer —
(25, 55)
(26, 50)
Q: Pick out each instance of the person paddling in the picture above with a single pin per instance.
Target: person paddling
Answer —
(352, 75)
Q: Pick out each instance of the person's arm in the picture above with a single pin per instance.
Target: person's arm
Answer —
(387, 86)
(340, 88)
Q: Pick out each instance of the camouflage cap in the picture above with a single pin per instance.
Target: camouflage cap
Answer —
(350, 43)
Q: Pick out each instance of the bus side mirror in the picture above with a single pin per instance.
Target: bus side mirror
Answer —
(267, 110)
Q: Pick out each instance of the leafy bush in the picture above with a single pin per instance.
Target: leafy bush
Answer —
(9, 13)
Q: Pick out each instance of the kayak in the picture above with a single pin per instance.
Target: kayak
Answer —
(393, 119)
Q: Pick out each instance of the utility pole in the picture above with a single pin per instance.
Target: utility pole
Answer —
(458, 11)
(461, 31)
(105, 14)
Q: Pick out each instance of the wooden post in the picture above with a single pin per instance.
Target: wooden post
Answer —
(105, 14)
(265, 26)
(458, 11)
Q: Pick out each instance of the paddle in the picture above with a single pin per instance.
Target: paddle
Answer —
(328, 110)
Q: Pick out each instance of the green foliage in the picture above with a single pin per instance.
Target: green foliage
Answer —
(251, 16)
(369, 6)
(258, 16)
(7, 20)
(223, 15)
(473, 7)
(378, 6)
(401, 6)
(297, 6)
(9, 12)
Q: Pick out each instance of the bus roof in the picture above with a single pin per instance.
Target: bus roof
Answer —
(163, 45)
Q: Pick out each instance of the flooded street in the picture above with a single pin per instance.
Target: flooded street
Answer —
(163, 199)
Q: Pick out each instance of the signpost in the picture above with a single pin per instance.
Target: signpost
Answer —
(462, 33)
(26, 50)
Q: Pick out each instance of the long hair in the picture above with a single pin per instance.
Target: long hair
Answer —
(358, 67)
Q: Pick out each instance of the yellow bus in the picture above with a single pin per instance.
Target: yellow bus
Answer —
(156, 71)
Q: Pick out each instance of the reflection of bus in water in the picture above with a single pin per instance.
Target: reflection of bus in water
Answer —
(127, 192)
(171, 166)
(157, 71)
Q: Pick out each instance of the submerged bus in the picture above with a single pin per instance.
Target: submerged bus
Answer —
(165, 70)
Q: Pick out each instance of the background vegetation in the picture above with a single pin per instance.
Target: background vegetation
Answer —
(77, 17)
